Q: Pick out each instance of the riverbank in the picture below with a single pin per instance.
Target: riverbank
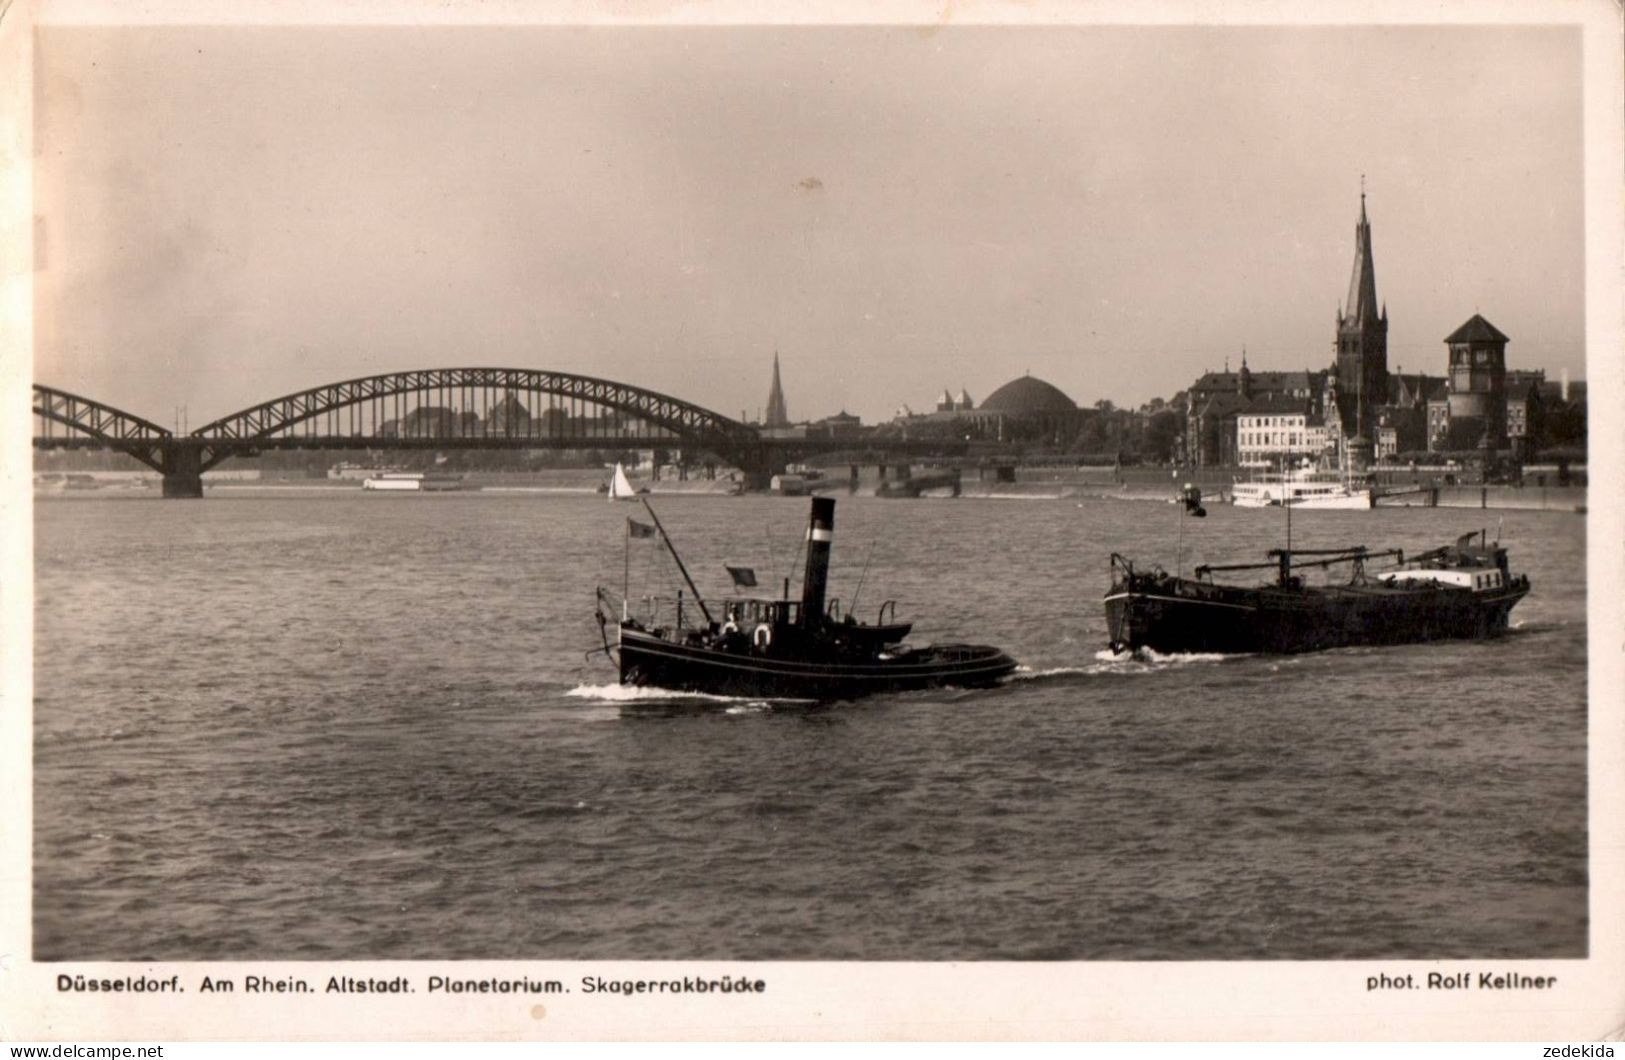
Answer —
(1030, 484)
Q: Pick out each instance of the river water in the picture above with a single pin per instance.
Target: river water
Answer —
(344, 725)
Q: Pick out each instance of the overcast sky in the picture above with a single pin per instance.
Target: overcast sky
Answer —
(227, 215)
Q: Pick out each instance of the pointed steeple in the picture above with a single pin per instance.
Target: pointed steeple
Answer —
(777, 414)
(1361, 305)
(1362, 337)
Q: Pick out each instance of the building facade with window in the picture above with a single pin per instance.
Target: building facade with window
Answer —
(1280, 432)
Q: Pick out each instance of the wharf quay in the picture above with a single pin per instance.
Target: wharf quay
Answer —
(1015, 484)
(1523, 498)
(1159, 483)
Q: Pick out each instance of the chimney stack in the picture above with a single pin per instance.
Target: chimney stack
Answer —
(820, 534)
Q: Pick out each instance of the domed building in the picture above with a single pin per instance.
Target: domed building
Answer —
(1024, 409)
(1028, 409)
(1028, 397)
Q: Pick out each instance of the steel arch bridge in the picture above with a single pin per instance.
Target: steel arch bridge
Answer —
(440, 408)
(446, 408)
(96, 423)
(480, 407)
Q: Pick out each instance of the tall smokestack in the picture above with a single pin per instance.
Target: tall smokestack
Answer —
(1564, 391)
(820, 534)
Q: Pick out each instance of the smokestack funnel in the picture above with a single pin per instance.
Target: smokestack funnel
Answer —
(820, 535)
(1564, 391)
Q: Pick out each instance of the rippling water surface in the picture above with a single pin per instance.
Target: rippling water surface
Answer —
(342, 725)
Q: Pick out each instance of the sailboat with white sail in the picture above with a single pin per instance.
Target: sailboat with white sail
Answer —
(620, 487)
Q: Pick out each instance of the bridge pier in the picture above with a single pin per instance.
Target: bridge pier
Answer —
(183, 471)
(757, 467)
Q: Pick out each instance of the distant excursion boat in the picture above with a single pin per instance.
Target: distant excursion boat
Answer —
(1304, 488)
(756, 646)
(413, 482)
(58, 482)
(349, 470)
(1460, 591)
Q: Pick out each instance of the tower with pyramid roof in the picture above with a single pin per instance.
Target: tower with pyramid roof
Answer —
(1362, 340)
(1477, 399)
(777, 414)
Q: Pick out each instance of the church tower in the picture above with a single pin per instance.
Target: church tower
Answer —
(1362, 340)
(777, 415)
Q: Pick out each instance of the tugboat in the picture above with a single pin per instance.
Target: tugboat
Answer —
(784, 648)
(1460, 591)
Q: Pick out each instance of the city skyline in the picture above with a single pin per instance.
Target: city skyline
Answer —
(230, 214)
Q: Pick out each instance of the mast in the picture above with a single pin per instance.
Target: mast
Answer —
(679, 560)
(1286, 501)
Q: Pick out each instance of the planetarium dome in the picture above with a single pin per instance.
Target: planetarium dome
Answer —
(1027, 396)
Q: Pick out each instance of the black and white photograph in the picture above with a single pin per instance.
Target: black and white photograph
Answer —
(837, 504)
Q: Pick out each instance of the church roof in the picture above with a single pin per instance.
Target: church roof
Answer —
(1275, 405)
(1256, 380)
(1405, 389)
(1477, 329)
(777, 414)
(1225, 404)
(1280, 380)
(1215, 381)
(1362, 282)
(1027, 396)
(1362, 300)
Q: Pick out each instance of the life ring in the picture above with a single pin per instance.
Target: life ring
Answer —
(730, 626)
(763, 637)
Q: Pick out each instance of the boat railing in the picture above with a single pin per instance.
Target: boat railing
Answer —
(1124, 571)
(889, 605)
(660, 612)
(1285, 560)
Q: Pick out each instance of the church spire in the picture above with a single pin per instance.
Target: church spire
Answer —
(1362, 301)
(1362, 339)
(777, 415)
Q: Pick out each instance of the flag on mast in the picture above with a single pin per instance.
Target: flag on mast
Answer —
(637, 529)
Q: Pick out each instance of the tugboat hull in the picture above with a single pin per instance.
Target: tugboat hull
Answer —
(646, 659)
(1180, 615)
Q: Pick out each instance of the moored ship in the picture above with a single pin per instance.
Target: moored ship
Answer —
(1456, 591)
(1303, 489)
(801, 649)
(412, 482)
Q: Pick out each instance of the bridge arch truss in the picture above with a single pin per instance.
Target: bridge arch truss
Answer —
(478, 408)
(91, 422)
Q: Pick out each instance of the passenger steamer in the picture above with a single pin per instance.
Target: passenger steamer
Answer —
(1303, 489)
(412, 482)
(1456, 591)
(798, 649)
